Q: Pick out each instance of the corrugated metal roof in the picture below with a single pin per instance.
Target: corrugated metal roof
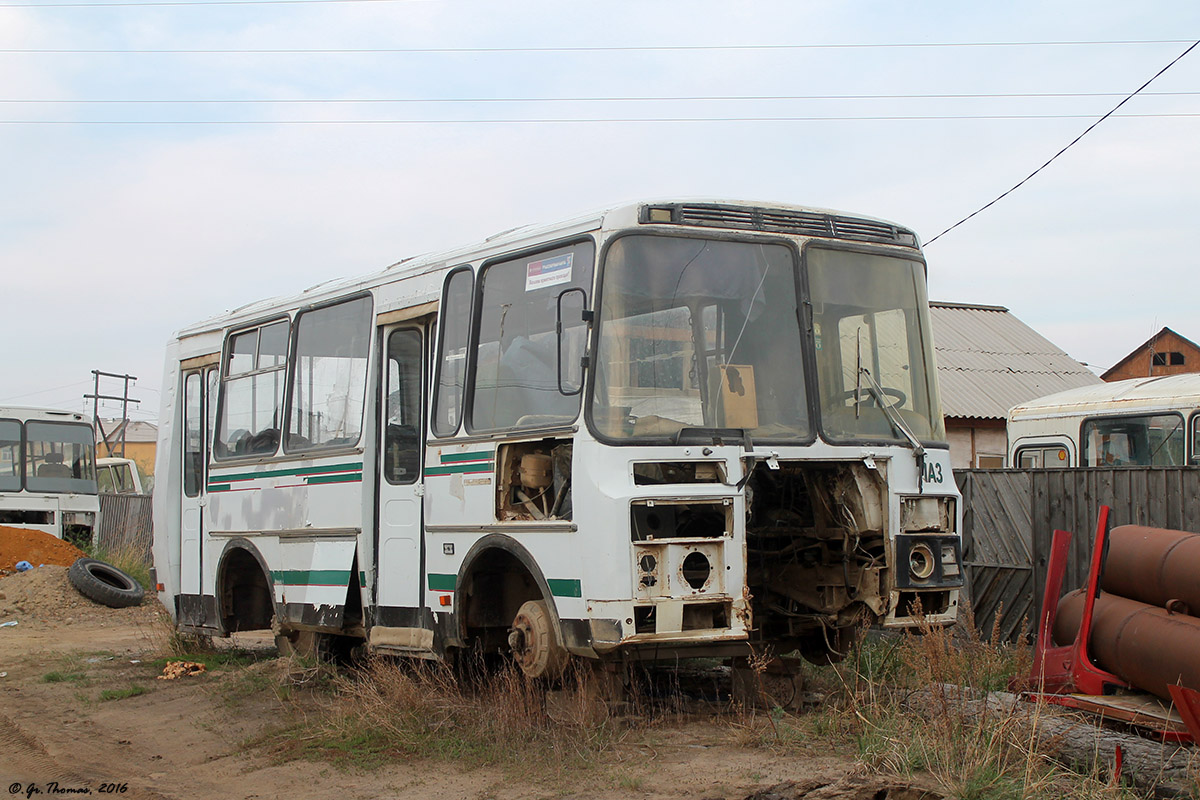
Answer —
(989, 361)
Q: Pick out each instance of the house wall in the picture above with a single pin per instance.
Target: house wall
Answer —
(1170, 347)
(976, 443)
(142, 454)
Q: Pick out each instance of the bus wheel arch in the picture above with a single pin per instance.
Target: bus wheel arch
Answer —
(245, 593)
(503, 602)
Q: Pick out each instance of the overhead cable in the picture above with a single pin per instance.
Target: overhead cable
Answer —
(661, 99)
(1089, 129)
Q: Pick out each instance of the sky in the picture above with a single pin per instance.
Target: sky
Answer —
(162, 162)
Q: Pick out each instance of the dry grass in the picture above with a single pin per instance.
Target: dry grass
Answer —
(130, 559)
(387, 710)
(882, 702)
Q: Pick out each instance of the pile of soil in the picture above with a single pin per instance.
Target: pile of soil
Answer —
(44, 597)
(17, 544)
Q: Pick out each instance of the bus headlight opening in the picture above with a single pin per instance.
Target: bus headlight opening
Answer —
(921, 562)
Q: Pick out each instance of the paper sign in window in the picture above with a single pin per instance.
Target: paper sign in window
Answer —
(548, 272)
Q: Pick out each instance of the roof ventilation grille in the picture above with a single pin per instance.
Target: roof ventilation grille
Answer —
(796, 223)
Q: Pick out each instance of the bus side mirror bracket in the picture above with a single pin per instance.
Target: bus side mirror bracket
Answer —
(572, 314)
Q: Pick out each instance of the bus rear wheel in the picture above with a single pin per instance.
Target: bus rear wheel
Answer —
(535, 648)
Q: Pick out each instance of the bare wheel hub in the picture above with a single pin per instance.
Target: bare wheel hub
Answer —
(535, 647)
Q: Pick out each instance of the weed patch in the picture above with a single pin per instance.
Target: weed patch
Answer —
(869, 703)
(131, 560)
(121, 694)
(64, 677)
(386, 711)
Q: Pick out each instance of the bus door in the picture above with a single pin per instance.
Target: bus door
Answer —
(400, 560)
(197, 398)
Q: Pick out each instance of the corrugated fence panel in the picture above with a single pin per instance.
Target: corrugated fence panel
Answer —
(1009, 518)
(125, 523)
(997, 550)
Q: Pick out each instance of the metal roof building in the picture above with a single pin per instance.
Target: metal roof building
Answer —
(989, 361)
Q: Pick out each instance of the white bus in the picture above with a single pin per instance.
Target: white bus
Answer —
(665, 429)
(1137, 422)
(48, 472)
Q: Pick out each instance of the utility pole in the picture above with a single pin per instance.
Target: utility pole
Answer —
(96, 397)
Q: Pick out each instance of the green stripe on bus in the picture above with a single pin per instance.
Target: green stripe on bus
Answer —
(353, 477)
(316, 577)
(441, 583)
(453, 468)
(565, 587)
(559, 587)
(218, 487)
(452, 458)
(283, 473)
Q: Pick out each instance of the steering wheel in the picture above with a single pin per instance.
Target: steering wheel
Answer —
(901, 397)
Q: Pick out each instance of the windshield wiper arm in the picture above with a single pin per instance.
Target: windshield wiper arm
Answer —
(897, 423)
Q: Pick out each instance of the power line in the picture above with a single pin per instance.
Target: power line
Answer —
(663, 99)
(589, 121)
(1089, 129)
(44, 391)
(549, 49)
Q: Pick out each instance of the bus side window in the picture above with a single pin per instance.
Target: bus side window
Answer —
(455, 323)
(10, 455)
(252, 401)
(193, 448)
(516, 368)
(329, 376)
(401, 437)
(1043, 457)
(1195, 455)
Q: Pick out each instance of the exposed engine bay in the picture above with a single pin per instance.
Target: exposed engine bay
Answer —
(816, 554)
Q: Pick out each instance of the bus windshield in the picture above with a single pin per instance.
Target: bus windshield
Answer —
(699, 333)
(873, 348)
(59, 457)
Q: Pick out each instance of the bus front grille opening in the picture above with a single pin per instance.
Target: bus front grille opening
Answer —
(816, 549)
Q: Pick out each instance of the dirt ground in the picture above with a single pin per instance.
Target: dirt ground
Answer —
(185, 739)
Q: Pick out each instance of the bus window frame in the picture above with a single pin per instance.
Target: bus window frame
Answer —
(465, 421)
(1193, 440)
(385, 338)
(218, 447)
(807, 357)
(20, 453)
(809, 337)
(1042, 446)
(439, 357)
(290, 366)
(1125, 417)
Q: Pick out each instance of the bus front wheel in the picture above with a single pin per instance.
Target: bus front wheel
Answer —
(534, 645)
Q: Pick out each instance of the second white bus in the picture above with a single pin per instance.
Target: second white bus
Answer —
(1137, 422)
(48, 472)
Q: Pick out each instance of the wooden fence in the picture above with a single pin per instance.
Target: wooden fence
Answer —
(125, 524)
(1009, 518)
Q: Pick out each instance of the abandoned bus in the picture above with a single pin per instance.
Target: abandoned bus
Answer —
(48, 472)
(1137, 422)
(665, 429)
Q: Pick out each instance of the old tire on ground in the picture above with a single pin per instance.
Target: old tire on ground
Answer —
(535, 648)
(104, 583)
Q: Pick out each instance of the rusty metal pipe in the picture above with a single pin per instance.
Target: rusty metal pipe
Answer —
(1154, 566)
(1151, 648)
